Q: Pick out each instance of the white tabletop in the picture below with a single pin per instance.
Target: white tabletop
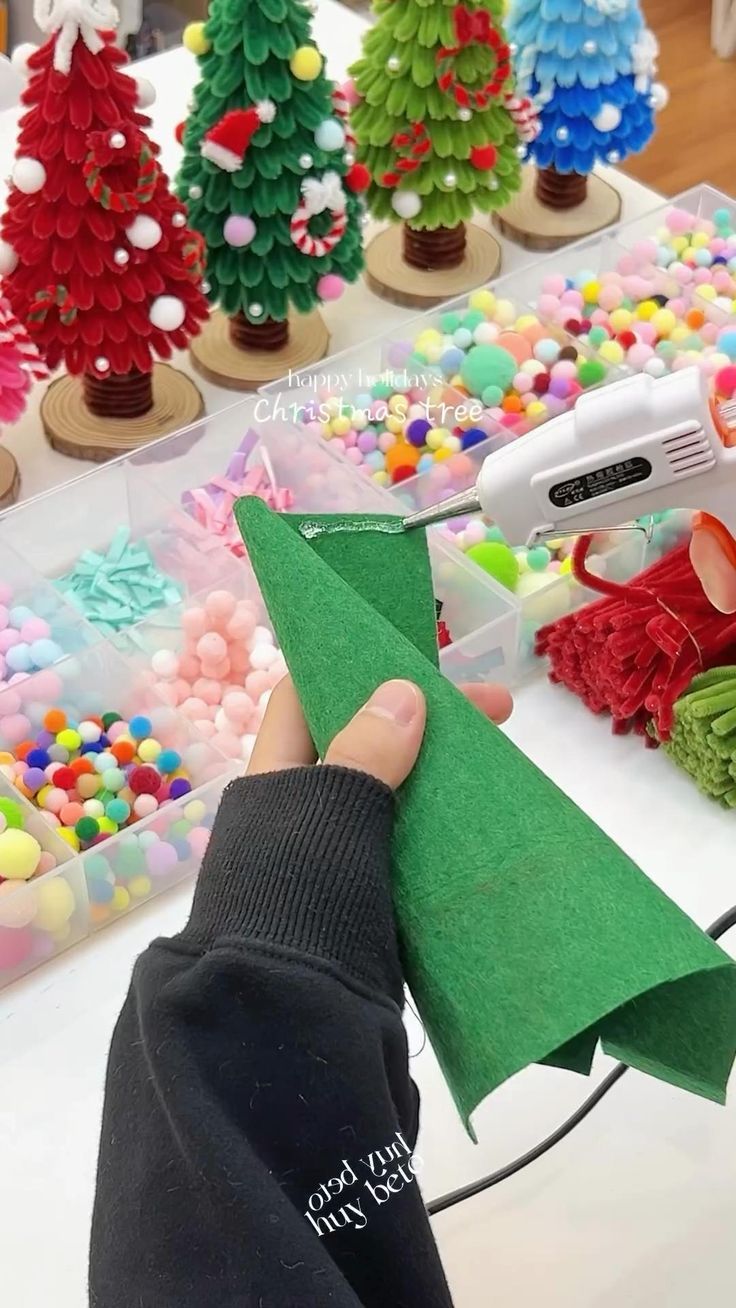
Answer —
(637, 1208)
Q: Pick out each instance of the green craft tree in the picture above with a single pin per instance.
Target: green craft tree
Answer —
(437, 73)
(266, 175)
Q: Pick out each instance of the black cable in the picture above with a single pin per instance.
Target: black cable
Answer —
(719, 928)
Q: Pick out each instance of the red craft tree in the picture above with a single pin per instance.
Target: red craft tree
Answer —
(97, 258)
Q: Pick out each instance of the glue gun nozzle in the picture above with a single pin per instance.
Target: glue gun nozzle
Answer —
(453, 507)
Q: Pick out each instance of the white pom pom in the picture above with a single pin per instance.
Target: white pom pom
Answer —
(167, 313)
(608, 118)
(20, 56)
(660, 96)
(8, 259)
(28, 175)
(266, 110)
(406, 204)
(144, 232)
(146, 93)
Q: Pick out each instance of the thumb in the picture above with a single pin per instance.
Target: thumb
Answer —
(385, 736)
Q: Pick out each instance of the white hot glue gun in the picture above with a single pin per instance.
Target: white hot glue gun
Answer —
(636, 447)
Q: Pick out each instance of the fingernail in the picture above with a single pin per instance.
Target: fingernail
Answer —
(398, 700)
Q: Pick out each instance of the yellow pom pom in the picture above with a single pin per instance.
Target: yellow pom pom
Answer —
(381, 478)
(620, 320)
(566, 565)
(306, 63)
(483, 300)
(19, 854)
(435, 438)
(679, 334)
(69, 835)
(139, 887)
(646, 309)
(699, 240)
(399, 405)
(706, 292)
(149, 750)
(54, 904)
(526, 320)
(679, 244)
(536, 409)
(120, 899)
(444, 453)
(394, 424)
(663, 321)
(194, 39)
(505, 313)
(611, 351)
(340, 427)
(590, 292)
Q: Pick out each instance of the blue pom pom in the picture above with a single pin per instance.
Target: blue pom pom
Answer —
(140, 727)
(37, 758)
(168, 760)
(473, 436)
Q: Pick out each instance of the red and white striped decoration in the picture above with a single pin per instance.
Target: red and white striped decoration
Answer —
(316, 246)
(319, 194)
(12, 332)
(525, 116)
(343, 99)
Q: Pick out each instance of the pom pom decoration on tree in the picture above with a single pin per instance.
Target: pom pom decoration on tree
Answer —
(20, 365)
(434, 131)
(92, 238)
(267, 177)
(588, 71)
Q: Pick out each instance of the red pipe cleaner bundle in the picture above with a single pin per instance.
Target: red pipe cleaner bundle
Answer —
(634, 652)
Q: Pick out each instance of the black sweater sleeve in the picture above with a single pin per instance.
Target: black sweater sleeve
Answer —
(259, 1121)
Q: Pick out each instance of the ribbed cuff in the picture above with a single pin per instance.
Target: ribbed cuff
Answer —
(301, 859)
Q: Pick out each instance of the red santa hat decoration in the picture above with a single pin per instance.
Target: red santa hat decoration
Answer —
(226, 143)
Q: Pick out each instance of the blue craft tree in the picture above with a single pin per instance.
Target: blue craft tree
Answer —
(590, 67)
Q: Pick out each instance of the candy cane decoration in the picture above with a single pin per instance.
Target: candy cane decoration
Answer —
(53, 296)
(411, 148)
(525, 115)
(194, 256)
(342, 102)
(319, 194)
(119, 201)
(12, 332)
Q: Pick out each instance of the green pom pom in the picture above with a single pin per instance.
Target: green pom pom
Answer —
(87, 828)
(590, 372)
(538, 558)
(449, 322)
(12, 813)
(494, 533)
(472, 319)
(597, 335)
(492, 396)
(382, 390)
(488, 365)
(497, 560)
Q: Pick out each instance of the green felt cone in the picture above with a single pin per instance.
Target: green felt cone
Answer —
(527, 935)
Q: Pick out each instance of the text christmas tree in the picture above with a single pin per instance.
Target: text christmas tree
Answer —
(589, 66)
(433, 122)
(97, 258)
(268, 175)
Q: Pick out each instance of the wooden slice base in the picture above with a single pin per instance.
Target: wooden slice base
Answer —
(531, 224)
(9, 479)
(72, 429)
(388, 274)
(215, 356)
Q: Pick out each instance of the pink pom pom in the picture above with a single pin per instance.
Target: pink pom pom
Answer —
(679, 221)
(330, 287)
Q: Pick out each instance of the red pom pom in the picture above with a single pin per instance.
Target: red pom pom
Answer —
(144, 781)
(403, 473)
(443, 636)
(626, 340)
(179, 131)
(357, 178)
(726, 380)
(65, 779)
(573, 326)
(483, 157)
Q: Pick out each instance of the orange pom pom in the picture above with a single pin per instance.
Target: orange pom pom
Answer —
(401, 455)
(123, 750)
(54, 721)
(512, 404)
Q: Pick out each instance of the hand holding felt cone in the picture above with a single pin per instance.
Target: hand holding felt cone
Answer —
(527, 935)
